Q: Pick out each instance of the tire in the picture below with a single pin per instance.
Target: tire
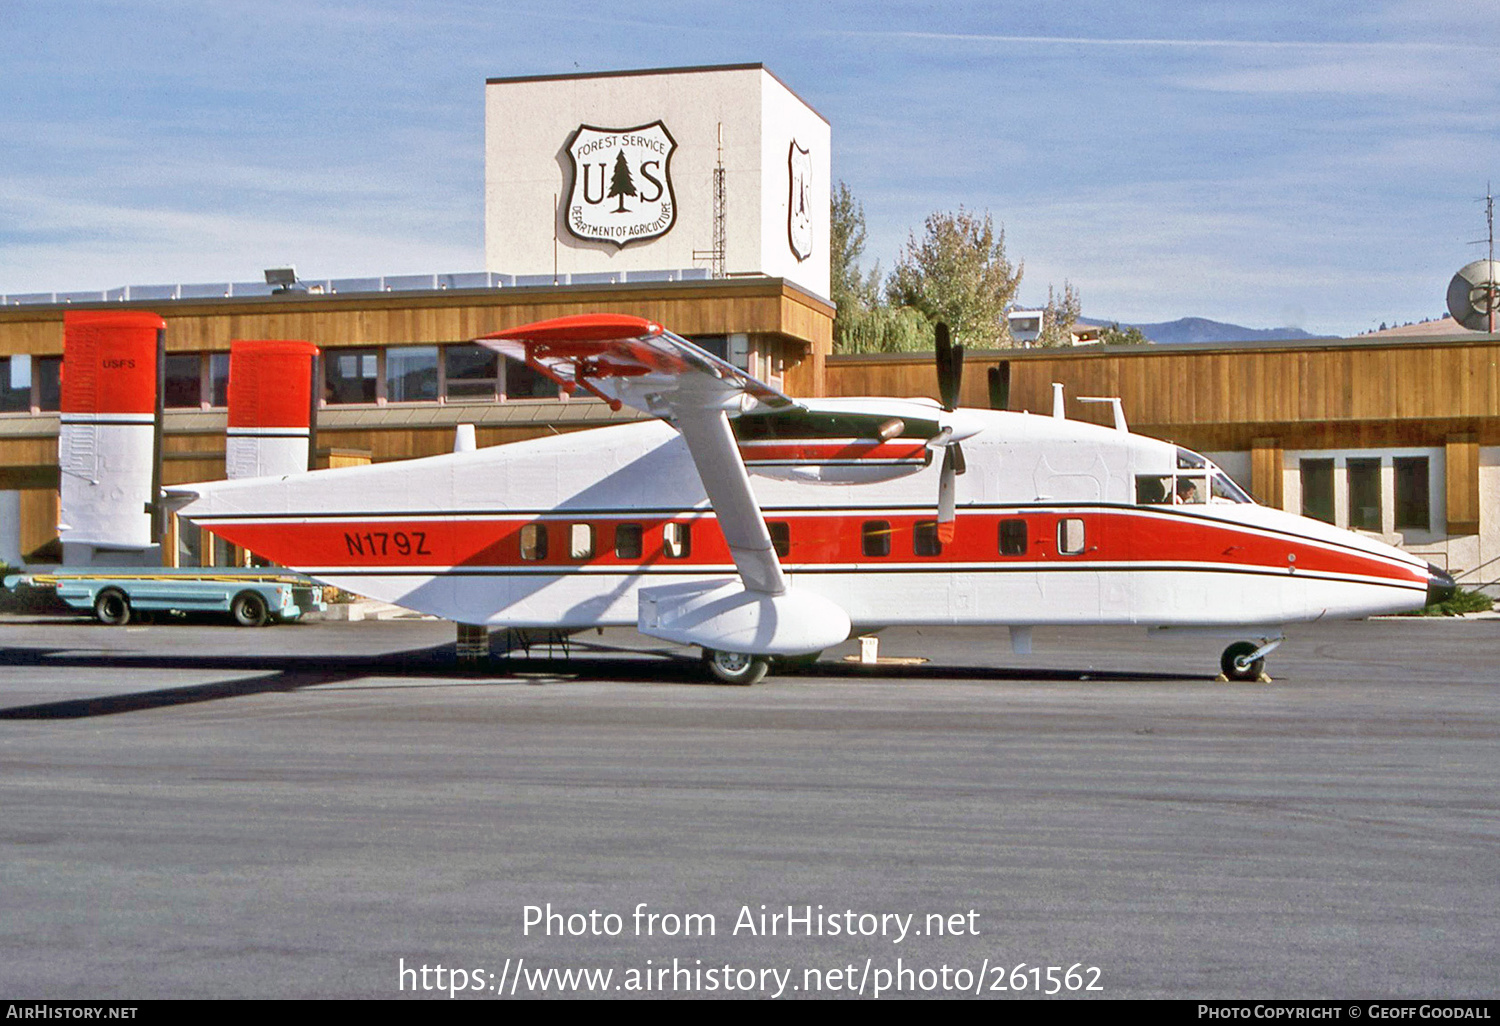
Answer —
(1229, 662)
(249, 610)
(112, 608)
(739, 668)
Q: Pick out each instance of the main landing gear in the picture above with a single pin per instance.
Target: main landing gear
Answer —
(736, 667)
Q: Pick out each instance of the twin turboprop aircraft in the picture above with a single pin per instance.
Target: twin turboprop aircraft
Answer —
(758, 526)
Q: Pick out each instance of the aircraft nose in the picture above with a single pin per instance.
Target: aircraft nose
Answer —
(1440, 586)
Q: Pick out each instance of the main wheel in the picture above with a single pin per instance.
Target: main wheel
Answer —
(1232, 662)
(249, 610)
(736, 667)
(112, 608)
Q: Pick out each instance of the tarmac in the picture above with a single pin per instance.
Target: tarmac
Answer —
(324, 809)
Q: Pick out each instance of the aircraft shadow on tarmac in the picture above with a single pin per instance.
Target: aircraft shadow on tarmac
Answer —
(438, 664)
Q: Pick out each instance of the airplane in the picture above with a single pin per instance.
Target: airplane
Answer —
(763, 528)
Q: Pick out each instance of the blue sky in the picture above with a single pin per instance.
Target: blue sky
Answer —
(1316, 164)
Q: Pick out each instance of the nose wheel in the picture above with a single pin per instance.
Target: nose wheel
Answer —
(1246, 660)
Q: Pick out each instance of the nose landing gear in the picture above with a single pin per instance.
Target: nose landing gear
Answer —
(1246, 660)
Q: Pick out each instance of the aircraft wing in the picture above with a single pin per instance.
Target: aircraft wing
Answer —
(635, 362)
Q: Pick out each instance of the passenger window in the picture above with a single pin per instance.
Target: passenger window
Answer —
(1070, 536)
(581, 542)
(924, 538)
(875, 538)
(781, 537)
(628, 541)
(1153, 489)
(534, 541)
(1013, 537)
(676, 540)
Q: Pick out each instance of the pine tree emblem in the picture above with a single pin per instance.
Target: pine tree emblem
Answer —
(621, 184)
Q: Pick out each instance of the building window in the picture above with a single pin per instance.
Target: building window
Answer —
(218, 379)
(534, 541)
(581, 542)
(184, 381)
(924, 538)
(522, 382)
(349, 376)
(1364, 493)
(1070, 539)
(875, 538)
(1317, 489)
(411, 374)
(1413, 507)
(472, 372)
(628, 541)
(676, 540)
(781, 537)
(49, 383)
(15, 384)
(1013, 537)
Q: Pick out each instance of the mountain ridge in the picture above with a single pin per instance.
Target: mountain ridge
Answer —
(1201, 329)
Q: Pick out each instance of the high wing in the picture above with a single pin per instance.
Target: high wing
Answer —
(636, 362)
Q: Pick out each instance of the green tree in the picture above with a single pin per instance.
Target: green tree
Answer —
(862, 323)
(1060, 316)
(959, 273)
(1114, 335)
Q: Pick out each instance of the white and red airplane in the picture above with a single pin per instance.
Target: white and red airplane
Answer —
(758, 526)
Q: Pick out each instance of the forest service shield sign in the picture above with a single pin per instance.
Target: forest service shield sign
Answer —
(622, 183)
(799, 228)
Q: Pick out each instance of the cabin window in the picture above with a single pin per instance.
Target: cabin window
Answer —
(1153, 489)
(875, 538)
(581, 541)
(1364, 493)
(534, 541)
(924, 538)
(628, 541)
(1013, 537)
(1317, 489)
(676, 540)
(1413, 508)
(1070, 538)
(781, 537)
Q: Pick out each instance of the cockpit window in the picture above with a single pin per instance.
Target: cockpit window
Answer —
(1153, 489)
(1187, 459)
(1225, 490)
(1190, 491)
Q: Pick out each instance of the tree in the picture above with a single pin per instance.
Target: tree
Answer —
(1114, 335)
(959, 273)
(621, 184)
(1060, 316)
(862, 323)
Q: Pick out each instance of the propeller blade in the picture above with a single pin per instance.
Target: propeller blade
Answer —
(1000, 386)
(947, 495)
(950, 363)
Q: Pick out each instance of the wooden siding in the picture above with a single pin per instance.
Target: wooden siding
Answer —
(765, 306)
(1462, 460)
(1333, 396)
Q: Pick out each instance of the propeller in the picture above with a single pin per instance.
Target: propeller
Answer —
(950, 370)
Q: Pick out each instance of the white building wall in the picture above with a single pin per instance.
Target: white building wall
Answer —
(528, 125)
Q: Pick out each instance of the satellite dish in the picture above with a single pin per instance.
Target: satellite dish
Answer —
(1474, 295)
